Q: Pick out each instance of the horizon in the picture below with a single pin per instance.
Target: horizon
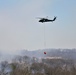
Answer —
(15, 52)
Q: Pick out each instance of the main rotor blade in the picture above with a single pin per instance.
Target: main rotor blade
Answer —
(39, 18)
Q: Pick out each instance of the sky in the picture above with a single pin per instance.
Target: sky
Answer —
(20, 29)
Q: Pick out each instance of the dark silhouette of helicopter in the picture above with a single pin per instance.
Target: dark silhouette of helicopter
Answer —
(46, 20)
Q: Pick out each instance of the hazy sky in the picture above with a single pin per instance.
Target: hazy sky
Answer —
(19, 28)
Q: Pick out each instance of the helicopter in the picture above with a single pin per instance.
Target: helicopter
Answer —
(42, 20)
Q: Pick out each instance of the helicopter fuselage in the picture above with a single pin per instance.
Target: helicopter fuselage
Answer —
(47, 20)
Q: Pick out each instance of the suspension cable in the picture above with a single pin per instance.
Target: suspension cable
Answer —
(44, 38)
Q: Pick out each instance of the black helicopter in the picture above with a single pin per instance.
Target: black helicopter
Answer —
(46, 20)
